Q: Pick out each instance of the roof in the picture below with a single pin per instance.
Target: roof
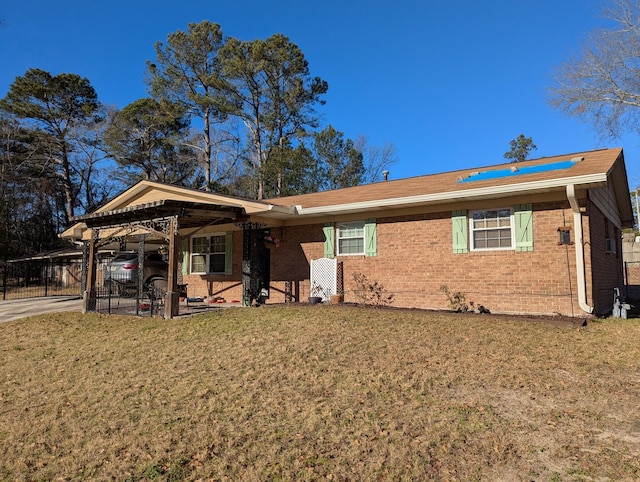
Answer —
(584, 170)
(154, 199)
(594, 169)
(191, 214)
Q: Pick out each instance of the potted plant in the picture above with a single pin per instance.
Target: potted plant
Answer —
(336, 299)
(316, 294)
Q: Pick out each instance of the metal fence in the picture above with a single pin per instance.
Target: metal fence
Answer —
(42, 277)
(125, 297)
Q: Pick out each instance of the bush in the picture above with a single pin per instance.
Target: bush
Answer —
(370, 293)
(457, 300)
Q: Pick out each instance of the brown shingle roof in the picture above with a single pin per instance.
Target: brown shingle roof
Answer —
(595, 162)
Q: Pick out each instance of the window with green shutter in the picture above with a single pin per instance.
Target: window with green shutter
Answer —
(351, 238)
(211, 254)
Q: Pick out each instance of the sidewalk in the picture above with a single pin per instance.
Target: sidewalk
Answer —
(16, 309)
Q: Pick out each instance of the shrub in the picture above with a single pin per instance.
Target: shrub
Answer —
(371, 293)
(457, 300)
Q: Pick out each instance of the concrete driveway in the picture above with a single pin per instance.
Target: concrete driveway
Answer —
(16, 309)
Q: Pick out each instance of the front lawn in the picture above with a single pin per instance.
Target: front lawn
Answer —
(318, 393)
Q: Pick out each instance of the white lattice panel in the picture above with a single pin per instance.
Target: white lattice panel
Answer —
(324, 277)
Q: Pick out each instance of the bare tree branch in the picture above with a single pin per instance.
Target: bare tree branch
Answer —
(601, 86)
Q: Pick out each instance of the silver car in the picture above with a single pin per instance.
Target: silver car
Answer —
(122, 271)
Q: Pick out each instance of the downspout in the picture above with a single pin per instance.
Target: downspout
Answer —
(579, 244)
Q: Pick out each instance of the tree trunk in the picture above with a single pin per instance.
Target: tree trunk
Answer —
(66, 185)
(207, 151)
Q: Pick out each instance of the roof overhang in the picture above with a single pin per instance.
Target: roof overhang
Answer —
(492, 192)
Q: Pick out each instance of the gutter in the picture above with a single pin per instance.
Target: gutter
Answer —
(579, 244)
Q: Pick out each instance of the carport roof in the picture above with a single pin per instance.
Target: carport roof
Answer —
(190, 214)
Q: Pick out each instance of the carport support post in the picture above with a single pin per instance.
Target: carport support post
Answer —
(172, 300)
(89, 294)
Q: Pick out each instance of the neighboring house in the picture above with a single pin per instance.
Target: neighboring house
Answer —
(535, 237)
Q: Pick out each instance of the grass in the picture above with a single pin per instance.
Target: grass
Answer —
(318, 393)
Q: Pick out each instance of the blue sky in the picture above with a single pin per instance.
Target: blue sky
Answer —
(448, 82)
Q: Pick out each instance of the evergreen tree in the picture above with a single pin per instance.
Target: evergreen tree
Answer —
(56, 106)
(276, 95)
(144, 137)
(188, 72)
(520, 148)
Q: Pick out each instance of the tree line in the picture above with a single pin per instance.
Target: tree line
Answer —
(222, 114)
(239, 118)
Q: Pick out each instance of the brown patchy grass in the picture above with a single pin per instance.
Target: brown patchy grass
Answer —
(318, 393)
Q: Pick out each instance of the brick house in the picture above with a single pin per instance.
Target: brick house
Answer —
(537, 237)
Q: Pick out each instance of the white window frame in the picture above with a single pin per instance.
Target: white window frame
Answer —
(473, 230)
(207, 255)
(339, 237)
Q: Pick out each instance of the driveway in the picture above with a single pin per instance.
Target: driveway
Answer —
(16, 309)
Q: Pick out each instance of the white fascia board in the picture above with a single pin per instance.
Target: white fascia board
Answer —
(589, 180)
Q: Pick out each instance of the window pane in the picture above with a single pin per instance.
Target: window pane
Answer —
(199, 245)
(505, 238)
(350, 230)
(218, 244)
(493, 243)
(480, 239)
(491, 223)
(198, 263)
(351, 246)
(216, 263)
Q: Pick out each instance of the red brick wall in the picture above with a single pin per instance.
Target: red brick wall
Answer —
(415, 258)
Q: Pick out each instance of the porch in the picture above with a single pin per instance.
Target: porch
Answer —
(150, 226)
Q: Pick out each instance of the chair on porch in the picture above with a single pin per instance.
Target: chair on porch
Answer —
(157, 289)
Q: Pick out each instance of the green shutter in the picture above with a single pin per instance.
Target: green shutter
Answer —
(370, 238)
(524, 227)
(329, 240)
(185, 255)
(460, 230)
(228, 253)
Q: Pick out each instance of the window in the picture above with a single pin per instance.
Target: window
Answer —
(353, 238)
(609, 242)
(492, 229)
(350, 238)
(209, 254)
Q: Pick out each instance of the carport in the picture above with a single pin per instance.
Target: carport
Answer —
(157, 221)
